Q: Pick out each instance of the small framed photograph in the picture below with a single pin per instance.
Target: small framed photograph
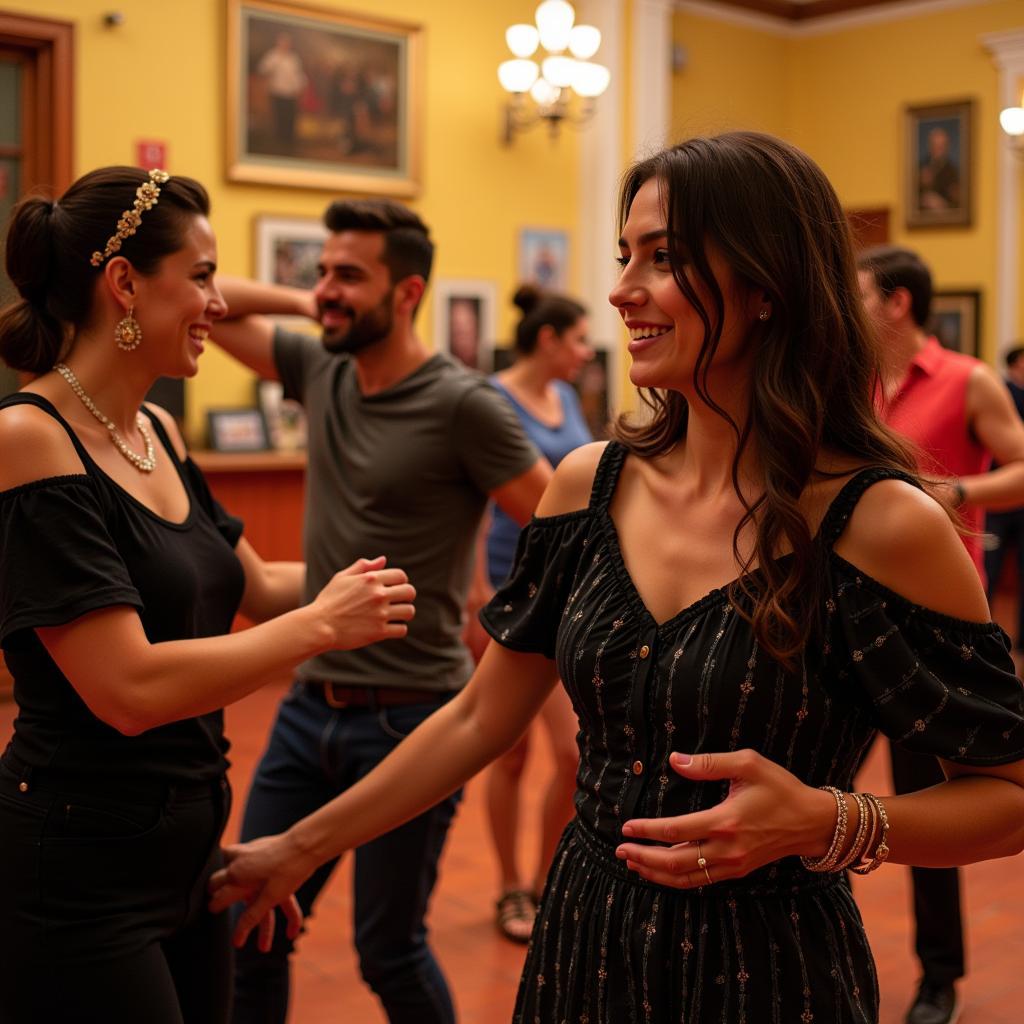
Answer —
(956, 320)
(285, 418)
(938, 188)
(288, 250)
(237, 430)
(323, 99)
(464, 321)
(544, 258)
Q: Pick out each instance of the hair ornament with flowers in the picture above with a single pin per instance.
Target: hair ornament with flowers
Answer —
(146, 196)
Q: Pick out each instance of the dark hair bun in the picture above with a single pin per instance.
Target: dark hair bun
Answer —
(30, 248)
(30, 336)
(527, 297)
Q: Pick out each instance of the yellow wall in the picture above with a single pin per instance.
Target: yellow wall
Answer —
(161, 75)
(846, 95)
(841, 96)
(733, 78)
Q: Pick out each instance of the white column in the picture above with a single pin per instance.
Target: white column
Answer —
(603, 153)
(601, 165)
(1007, 50)
(651, 77)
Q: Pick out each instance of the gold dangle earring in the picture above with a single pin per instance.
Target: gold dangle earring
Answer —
(128, 333)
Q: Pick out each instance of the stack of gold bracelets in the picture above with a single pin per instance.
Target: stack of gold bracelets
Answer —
(872, 829)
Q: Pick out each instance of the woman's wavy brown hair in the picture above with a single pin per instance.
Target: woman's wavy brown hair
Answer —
(771, 213)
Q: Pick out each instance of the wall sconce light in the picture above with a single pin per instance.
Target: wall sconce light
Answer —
(551, 80)
(1012, 122)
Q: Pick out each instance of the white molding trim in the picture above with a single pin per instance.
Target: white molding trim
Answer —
(823, 25)
(1007, 51)
(600, 167)
(651, 76)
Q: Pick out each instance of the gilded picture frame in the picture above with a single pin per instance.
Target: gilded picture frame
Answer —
(323, 99)
(938, 177)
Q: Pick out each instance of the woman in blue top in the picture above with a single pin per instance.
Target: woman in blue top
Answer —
(551, 349)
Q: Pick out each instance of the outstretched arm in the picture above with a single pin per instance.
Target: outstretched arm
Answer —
(246, 333)
(447, 749)
(156, 683)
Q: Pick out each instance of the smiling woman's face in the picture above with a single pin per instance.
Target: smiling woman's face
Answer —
(665, 330)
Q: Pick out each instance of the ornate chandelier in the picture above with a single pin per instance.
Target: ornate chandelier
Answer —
(552, 79)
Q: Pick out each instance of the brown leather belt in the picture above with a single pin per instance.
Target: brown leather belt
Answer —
(338, 696)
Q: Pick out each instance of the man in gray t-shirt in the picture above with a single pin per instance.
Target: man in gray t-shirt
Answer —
(405, 450)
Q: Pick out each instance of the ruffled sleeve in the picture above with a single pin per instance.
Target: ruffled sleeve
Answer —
(58, 559)
(525, 612)
(936, 685)
(228, 526)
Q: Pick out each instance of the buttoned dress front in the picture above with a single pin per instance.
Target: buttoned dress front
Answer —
(782, 944)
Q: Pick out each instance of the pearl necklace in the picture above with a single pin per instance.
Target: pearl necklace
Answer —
(143, 463)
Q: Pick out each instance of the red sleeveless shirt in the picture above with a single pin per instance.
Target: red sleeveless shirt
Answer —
(930, 408)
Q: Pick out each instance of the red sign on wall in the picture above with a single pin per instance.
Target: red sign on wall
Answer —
(151, 154)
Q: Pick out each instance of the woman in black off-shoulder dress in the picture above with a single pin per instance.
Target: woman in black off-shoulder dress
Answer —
(740, 592)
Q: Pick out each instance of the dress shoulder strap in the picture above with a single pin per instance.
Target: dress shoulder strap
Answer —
(851, 492)
(31, 398)
(607, 475)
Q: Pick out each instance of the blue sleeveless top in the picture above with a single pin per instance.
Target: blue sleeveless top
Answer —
(554, 444)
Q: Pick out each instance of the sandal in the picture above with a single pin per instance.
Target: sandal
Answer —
(516, 913)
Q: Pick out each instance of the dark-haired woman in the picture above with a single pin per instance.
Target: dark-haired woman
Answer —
(739, 593)
(118, 574)
(551, 348)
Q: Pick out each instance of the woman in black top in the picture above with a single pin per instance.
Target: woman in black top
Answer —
(119, 579)
(739, 593)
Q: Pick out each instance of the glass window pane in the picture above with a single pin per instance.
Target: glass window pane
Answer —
(10, 102)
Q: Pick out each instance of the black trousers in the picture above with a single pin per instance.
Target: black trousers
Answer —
(103, 915)
(939, 937)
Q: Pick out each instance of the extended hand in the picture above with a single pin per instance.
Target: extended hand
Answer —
(769, 813)
(367, 602)
(263, 874)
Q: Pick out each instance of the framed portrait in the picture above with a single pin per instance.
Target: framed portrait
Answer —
(237, 430)
(464, 321)
(956, 320)
(288, 250)
(323, 99)
(593, 385)
(544, 258)
(938, 188)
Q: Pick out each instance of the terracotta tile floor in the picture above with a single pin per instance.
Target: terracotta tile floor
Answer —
(483, 969)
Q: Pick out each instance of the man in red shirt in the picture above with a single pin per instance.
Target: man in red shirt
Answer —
(958, 413)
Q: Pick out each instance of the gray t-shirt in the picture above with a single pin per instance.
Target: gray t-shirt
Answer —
(403, 473)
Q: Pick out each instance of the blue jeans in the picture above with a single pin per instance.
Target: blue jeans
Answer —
(314, 753)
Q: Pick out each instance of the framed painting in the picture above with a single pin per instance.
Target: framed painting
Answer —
(464, 321)
(956, 320)
(938, 185)
(288, 250)
(323, 99)
(238, 430)
(544, 258)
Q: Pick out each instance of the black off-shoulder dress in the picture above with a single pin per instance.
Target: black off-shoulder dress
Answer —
(782, 945)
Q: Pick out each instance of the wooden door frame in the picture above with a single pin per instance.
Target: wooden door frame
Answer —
(51, 43)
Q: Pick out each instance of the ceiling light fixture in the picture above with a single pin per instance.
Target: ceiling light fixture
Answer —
(551, 80)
